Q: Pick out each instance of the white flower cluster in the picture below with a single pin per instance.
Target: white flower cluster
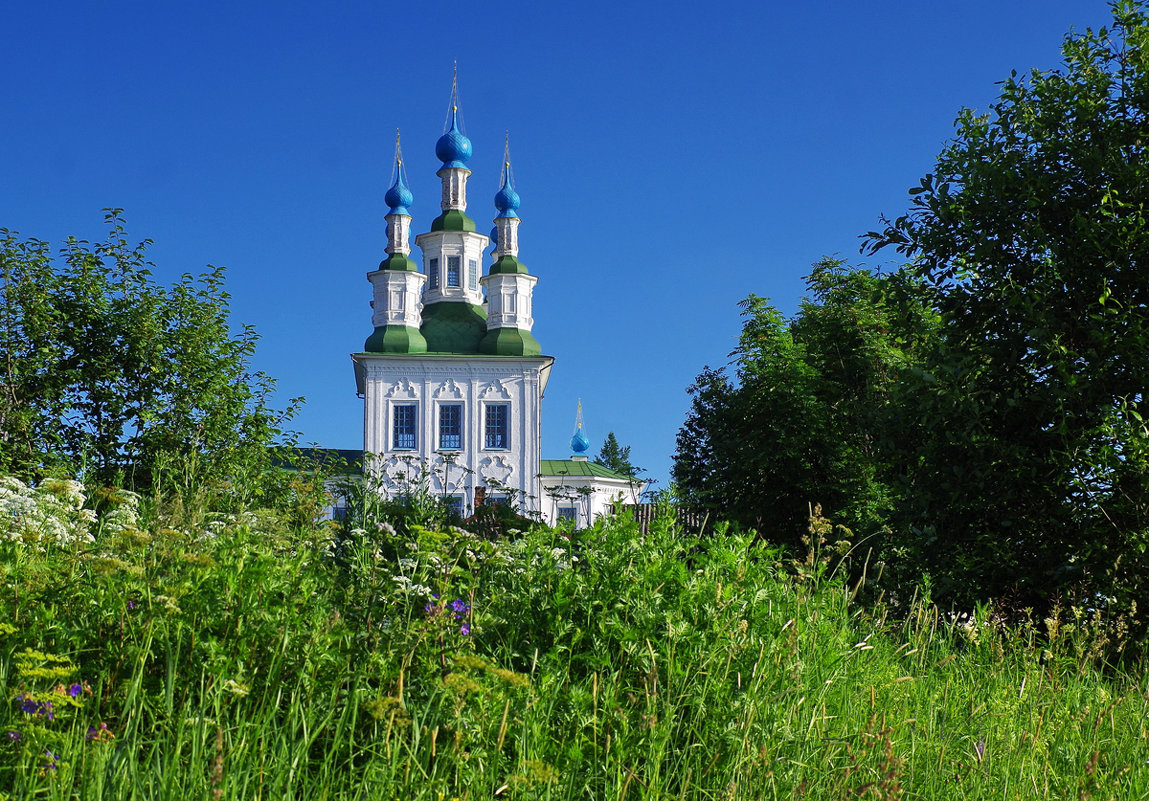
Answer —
(124, 514)
(51, 513)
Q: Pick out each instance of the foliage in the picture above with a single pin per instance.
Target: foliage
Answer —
(616, 457)
(110, 374)
(1033, 476)
(240, 659)
(810, 416)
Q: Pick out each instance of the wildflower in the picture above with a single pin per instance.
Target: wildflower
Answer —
(14, 736)
(460, 607)
(100, 734)
(51, 763)
(75, 690)
(465, 629)
(31, 706)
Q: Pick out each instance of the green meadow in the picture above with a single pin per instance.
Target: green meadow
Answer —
(161, 650)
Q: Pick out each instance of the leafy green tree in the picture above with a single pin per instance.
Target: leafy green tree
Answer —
(810, 416)
(109, 375)
(616, 457)
(1033, 474)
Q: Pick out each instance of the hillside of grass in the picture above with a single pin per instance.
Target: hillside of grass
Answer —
(166, 651)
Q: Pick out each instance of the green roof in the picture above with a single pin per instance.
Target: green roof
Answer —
(344, 460)
(452, 326)
(507, 264)
(398, 261)
(395, 339)
(510, 342)
(452, 220)
(569, 467)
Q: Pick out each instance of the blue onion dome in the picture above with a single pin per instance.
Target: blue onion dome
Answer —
(453, 149)
(399, 196)
(507, 199)
(579, 442)
(495, 236)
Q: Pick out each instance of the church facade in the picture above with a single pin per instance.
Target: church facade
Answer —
(451, 377)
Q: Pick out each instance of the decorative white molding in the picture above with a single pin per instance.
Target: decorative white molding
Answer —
(448, 390)
(402, 390)
(496, 468)
(495, 391)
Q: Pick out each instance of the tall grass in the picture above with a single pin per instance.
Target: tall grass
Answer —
(245, 658)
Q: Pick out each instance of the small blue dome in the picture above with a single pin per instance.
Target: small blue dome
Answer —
(579, 442)
(507, 201)
(495, 236)
(399, 197)
(453, 149)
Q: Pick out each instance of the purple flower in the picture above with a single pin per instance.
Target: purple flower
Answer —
(131, 604)
(465, 629)
(459, 605)
(14, 736)
(34, 707)
(51, 763)
(75, 690)
(100, 734)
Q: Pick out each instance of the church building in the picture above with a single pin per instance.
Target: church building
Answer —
(452, 377)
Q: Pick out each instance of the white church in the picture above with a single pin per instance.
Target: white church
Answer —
(452, 378)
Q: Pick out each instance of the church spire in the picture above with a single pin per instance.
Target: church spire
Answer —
(507, 204)
(398, 199)
(579, 441)
(454, 150)
(398, 284)
(509, 286)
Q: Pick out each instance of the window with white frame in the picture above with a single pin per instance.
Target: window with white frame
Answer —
(451, 426)
(568, 513)
(404, 417)
(497, 426)
(432, 273)
(453, 271)
(472, 274)
(454, 503)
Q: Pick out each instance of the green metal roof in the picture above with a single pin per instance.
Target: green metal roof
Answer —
(396, 339)
(569, 467)
(452, 326)
(510, 342)
(452, 220)
(346, 461)
(398, 261)
(507, 264)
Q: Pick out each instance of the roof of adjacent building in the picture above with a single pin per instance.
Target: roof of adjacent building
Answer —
(348, 461)
(570, 467)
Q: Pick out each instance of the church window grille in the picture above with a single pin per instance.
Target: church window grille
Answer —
(472, 274)
(433, 274)
(403, 432)
(451, 426)
(497, 426)
(452, 271)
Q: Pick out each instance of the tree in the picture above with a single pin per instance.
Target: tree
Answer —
(809, 417)
(616, 457)
(1033, 474)
(110, 376)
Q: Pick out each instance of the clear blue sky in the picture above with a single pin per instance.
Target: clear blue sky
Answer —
(672, 158)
